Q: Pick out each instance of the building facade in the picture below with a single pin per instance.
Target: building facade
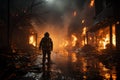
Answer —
(106, 27)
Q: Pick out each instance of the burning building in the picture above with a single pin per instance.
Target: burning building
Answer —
(105, 31)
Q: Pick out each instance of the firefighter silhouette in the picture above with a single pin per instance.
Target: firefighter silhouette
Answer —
(46, 45)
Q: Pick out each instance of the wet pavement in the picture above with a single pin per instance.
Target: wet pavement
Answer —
(64, 66)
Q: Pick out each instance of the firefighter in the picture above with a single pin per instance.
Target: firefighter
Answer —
(46, 45)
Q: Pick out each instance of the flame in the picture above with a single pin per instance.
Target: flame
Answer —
(105, 37)
(113, 35)
(84, 30)
(106, 73)
(106, 41)
(74, 40)
(84, 36)
(107, 76)
(63, 53)
(74, 58)
(32, 40)
(83, 43)
(92, 3)
(64, 44)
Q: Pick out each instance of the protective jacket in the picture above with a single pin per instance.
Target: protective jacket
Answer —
(46, 44)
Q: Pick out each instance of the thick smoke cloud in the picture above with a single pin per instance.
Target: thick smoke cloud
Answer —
(60, 21)
(56, 16)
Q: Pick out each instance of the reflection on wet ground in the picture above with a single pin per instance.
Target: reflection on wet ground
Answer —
(74, 66)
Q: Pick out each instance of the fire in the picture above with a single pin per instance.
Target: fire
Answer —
(106, 41)
(64, 43)
(74, 58)
(74, 40)
(84, 36)
(84, 31)
(113, 35)
(104, 37)
(32, 40)
(107, 73)
(92, 3)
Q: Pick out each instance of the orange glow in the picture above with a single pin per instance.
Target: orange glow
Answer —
(84, 36)
(32, 40)
(85, 40)
(84, 64)
(64, 43)
(104, 37)
(107, 76)
(114, 76)
(113, 35)
(83, 21)
(106, 41)
(74, 40)
(74, 58)
(83, 43)
(74, 13)
(92, 3)
(84, 31)
(106, 73)
(63, 53)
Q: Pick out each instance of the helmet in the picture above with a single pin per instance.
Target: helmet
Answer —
(46, 34)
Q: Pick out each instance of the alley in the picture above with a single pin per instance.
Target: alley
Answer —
(75, 66)
(81, 39)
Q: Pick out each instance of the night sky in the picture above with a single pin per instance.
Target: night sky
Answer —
(53, 8)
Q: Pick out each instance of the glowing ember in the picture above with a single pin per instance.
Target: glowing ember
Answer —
(92, 3)
(32, 40)
(74, 13)
(74, 40)
(83, 21)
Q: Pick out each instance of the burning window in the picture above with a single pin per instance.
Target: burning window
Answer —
(32, 40)
(103, 37)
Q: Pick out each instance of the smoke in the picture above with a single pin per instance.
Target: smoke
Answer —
(85, 13)
(58, 31)
(61, 23)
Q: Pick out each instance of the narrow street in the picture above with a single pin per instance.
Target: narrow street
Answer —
(81, 39)
(75, 66)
